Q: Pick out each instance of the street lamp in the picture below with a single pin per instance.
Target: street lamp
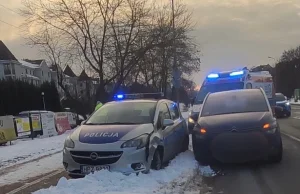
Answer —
(43, 94)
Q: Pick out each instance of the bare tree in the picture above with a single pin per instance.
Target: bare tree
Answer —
(122, 41)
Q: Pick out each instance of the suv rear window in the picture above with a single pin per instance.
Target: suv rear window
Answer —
(280, 97)
(235, 102)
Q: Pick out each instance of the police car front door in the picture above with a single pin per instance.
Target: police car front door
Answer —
(168, 133)
(178, 127)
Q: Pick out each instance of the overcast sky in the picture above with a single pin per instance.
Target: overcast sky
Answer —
(230, 33)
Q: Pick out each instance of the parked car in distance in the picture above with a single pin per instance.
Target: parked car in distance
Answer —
(283, 107)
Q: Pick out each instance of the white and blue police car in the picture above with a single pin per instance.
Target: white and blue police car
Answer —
(133, 134)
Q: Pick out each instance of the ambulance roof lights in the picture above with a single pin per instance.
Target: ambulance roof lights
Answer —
(213, 75)
(235, 73)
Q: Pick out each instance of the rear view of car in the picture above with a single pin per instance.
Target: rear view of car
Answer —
(283, 107)
(235, 127)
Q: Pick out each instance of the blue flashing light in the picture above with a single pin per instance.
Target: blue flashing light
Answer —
(235, 73)
(138, 96)
(120, 96)
(213, 75)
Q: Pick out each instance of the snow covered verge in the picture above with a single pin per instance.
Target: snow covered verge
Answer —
(24, 150)
(292, 101)
(104, 182)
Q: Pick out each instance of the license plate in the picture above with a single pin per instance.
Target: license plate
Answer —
(92, 169)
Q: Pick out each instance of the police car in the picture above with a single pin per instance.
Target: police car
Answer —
(130, 135)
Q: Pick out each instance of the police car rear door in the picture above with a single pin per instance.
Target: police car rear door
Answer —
(168, 133)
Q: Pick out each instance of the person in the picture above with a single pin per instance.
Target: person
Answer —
(99, 105)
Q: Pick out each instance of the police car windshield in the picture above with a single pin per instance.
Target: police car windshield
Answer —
(123, 113)
(212, 88)
(235, 102)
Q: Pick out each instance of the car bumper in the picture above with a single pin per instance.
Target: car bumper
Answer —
(229, 147)
(283, 109)
(127, 163)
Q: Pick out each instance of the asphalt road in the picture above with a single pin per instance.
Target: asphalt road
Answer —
(263, 178)
(255, 178)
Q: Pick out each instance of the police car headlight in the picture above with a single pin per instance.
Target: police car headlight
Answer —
(287, 103)
(69, 143)
(138, 142)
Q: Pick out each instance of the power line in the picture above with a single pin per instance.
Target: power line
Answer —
(9, 24)
(9, 9)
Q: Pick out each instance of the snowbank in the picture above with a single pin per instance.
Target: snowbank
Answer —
(292, 101)
(25, 150)
(105, 182)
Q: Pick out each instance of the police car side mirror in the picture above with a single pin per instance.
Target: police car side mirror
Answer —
(168, 122)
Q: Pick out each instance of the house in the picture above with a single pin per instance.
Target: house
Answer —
(38, 72)
(9, 65)
(32, 71)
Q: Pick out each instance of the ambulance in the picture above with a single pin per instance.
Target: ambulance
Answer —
(232, 80)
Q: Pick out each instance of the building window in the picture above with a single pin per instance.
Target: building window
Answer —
(13, 69)
(42, 73)
(26, 71)
(7, 70)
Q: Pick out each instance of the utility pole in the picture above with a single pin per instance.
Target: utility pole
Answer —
(176, 74)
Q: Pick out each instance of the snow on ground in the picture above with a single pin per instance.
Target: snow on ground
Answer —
(105, 182)
(24, 150)
(32, 169)
(292, 101)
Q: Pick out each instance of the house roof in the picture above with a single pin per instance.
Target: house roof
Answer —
(36, 62)
(30, 65)
(68, 71)
(83, 76)
(5, 53)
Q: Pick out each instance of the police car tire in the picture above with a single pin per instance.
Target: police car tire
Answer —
(157, 161)
(73, 176)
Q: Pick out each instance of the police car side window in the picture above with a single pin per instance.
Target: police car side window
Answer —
(174, 111)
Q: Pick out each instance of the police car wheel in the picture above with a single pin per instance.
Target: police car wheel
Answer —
(73, 176)
(156, 162)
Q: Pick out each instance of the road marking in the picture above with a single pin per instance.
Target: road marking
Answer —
(292, 137)
(296, 117)
(35, 182)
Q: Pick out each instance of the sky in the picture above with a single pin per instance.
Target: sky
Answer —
(231, 34)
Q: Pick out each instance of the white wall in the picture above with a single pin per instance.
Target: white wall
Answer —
(44, 73)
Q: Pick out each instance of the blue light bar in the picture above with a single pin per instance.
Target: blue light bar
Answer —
(236, 73)
(213, 75)
(120, 96)
(139, 96)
